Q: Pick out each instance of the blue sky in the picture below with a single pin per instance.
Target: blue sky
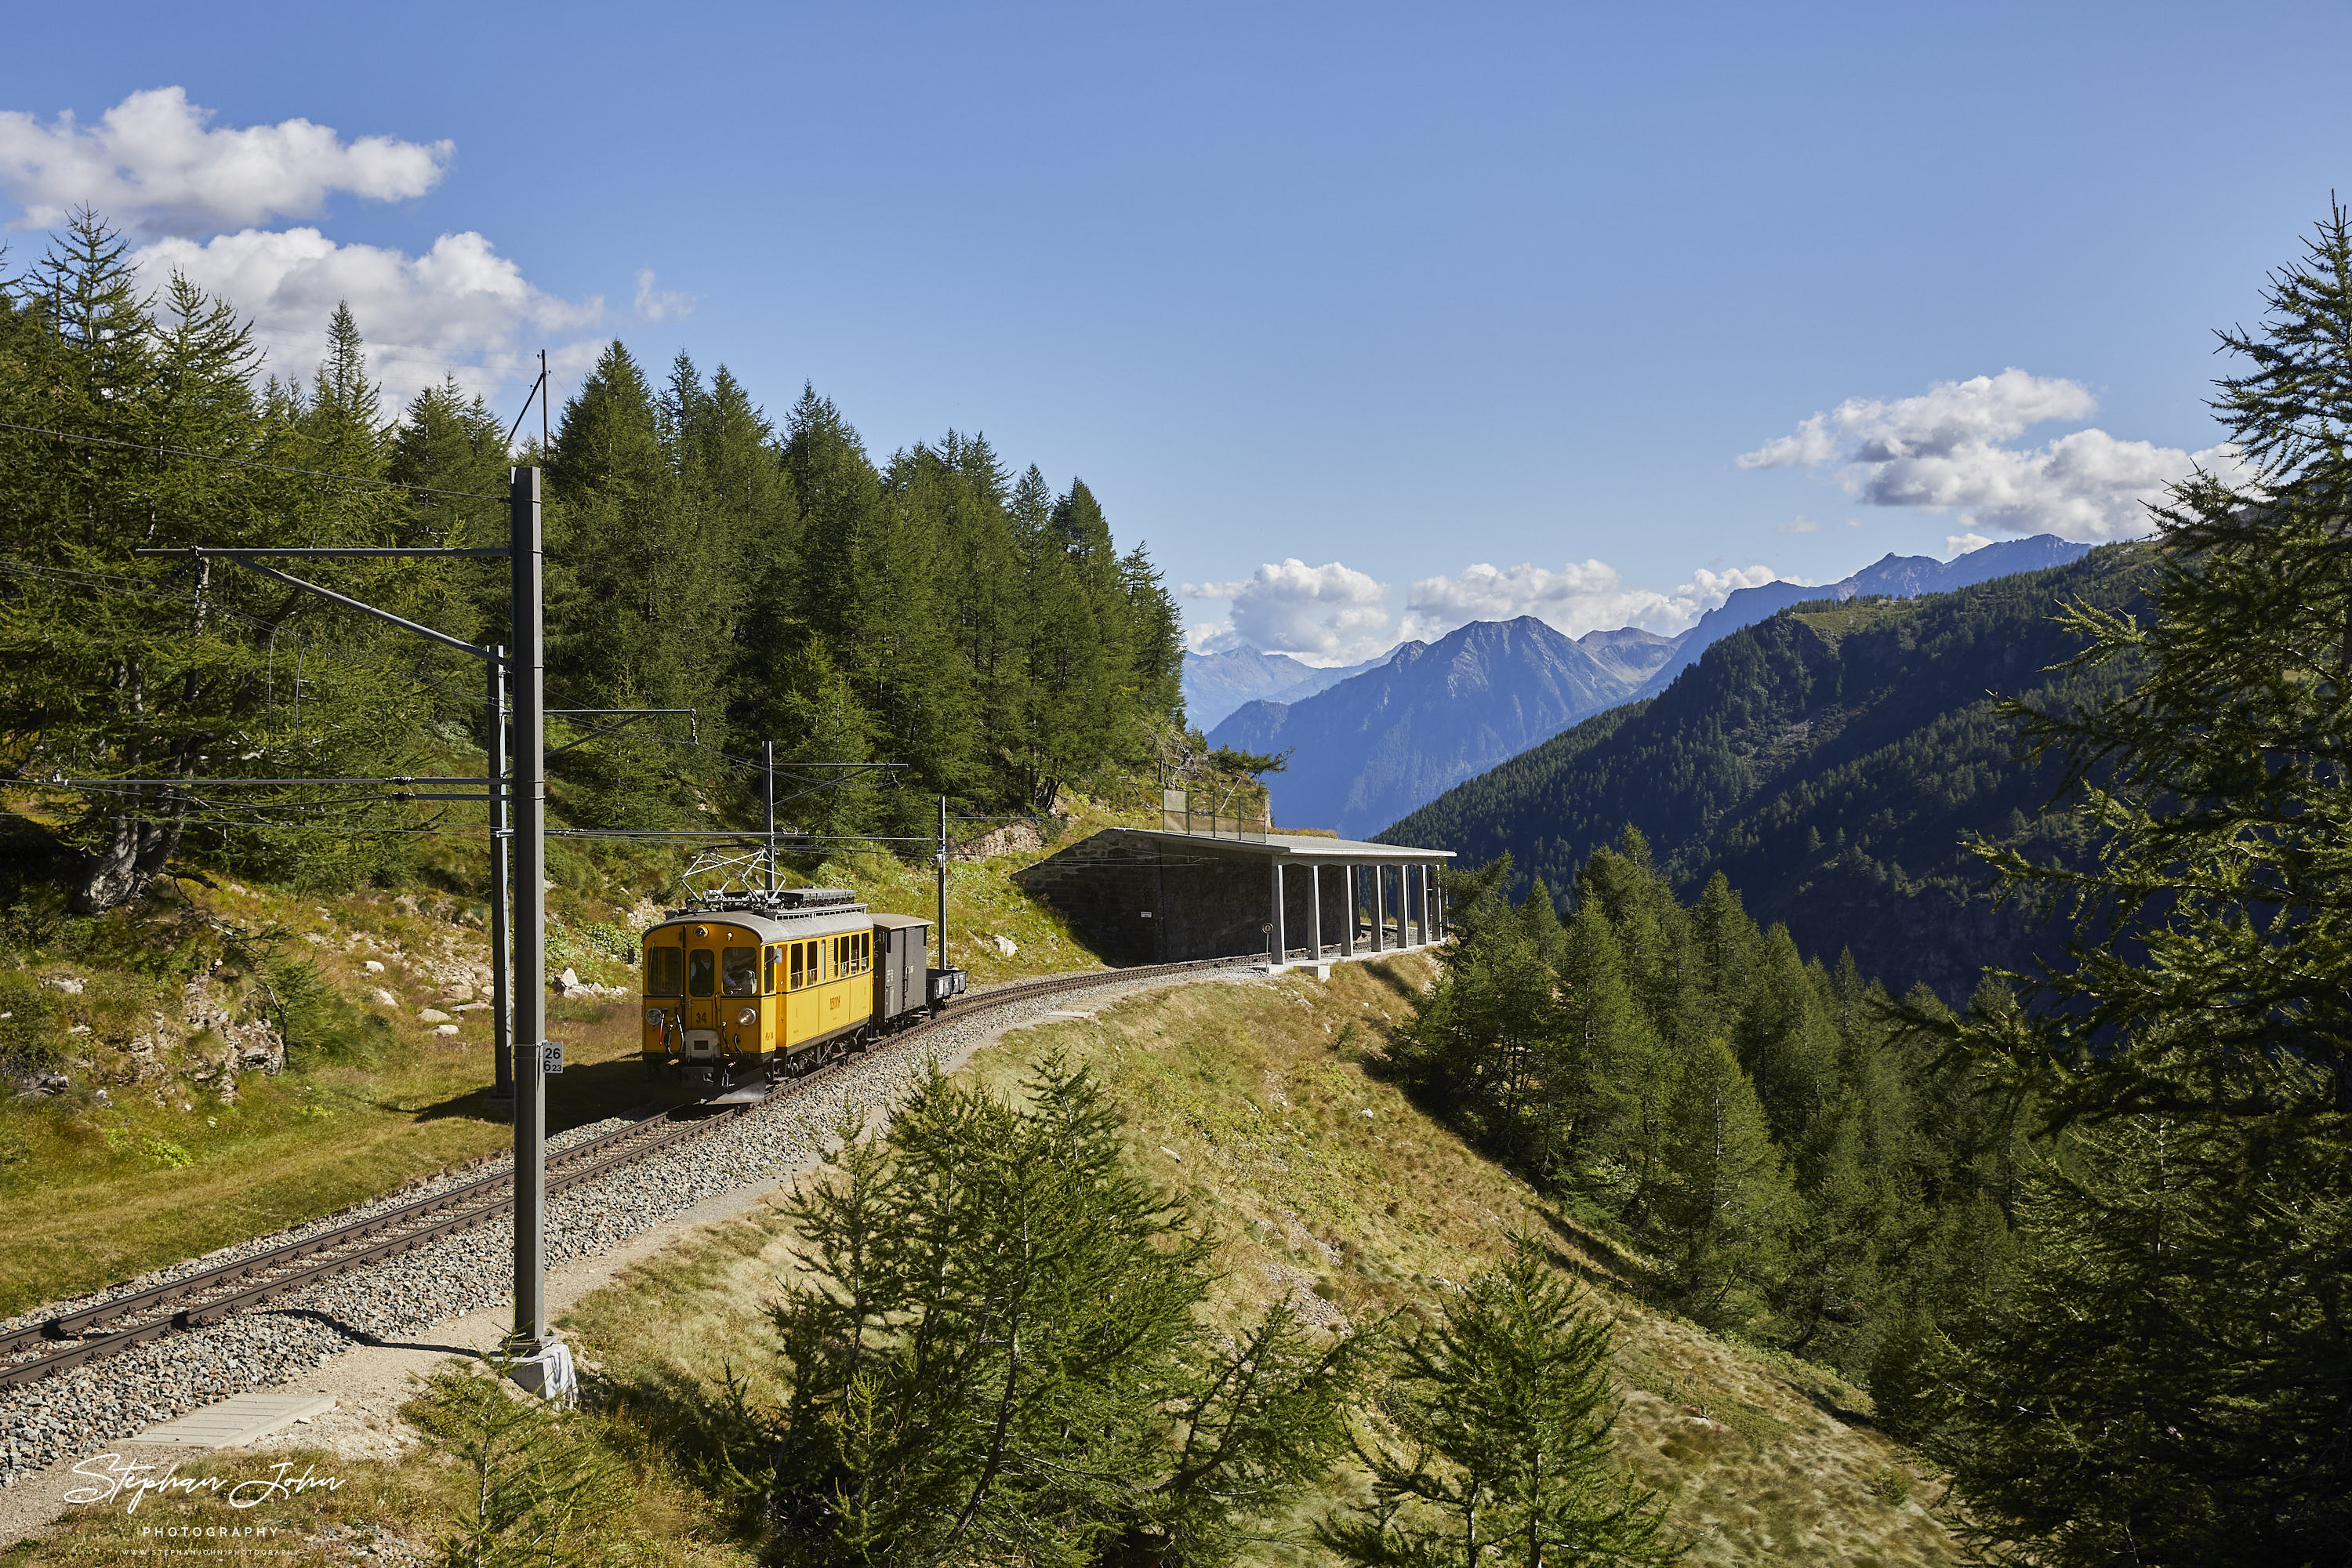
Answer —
(1393, 294)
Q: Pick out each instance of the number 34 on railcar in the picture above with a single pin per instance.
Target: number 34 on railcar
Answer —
(771, 986)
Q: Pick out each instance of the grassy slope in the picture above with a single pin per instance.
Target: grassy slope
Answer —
(1252, 1100)
(94, 1192)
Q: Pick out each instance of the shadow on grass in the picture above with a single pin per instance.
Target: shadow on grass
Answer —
(591, 1091)
(720, 1441)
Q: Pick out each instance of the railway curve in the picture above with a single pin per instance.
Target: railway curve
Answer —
(48, 1344)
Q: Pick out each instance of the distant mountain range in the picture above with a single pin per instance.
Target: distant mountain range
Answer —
(1217, 683)
(1372, 743)
(1829, 762)
(1369, 749)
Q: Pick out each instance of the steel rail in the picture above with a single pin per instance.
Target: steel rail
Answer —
(74, 1324)
(583, 1163)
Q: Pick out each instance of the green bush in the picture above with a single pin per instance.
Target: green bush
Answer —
(31, 1037)
(318, 1023)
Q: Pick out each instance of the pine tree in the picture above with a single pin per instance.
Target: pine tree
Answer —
(994, 1353)
(2201, 1027)
(1506, 1409)
(1723, 1208)
(1615, 1067)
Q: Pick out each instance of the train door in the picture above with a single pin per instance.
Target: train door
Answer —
(797, 1000)
(772, 1000)
(701, 997)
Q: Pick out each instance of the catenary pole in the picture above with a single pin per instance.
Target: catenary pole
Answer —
(529, 667)
(501, 884)
(942, 863)
(768, 760)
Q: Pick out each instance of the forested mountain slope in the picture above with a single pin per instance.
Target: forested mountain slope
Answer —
(1370, 749)
(1896, 576)
(1827, 761)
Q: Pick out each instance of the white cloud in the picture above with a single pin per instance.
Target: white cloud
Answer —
(1209, 637)
(1959, 544)
(1947, 450)
(661, 304)
(1329, 613)
(1578, 598)
(1801, 525)
(460, 309)
(151, 165)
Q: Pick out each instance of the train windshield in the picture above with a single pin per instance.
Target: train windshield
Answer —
(697, 972)
(741, 971)
(665, 972)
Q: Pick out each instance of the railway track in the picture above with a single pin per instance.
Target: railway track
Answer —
(107, 1328)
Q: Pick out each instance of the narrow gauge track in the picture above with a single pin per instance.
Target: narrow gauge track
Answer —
(83, 1336)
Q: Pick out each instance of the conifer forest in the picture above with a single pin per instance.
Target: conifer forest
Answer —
(932, 607)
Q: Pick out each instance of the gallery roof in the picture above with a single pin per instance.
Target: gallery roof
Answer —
(1300, 847)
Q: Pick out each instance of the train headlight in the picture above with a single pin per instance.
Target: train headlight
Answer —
(653, 1016)
(747, 1016)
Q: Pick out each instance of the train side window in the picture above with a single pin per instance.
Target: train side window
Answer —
(774, 954)
(665, 971)
(796, 966)
(699, 970)
(741, 971)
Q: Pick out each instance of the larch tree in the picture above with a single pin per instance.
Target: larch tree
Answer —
(1504, 1412)
(2167, 1378)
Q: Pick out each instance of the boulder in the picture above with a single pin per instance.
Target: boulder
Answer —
(431, 1016)
(384, 998)
(374, 966)
(1005, 946)
(71, 984)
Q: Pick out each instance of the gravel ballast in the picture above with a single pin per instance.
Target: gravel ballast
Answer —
(47, 1420)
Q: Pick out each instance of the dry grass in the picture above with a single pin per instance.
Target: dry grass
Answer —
(1253, 1100)
(95, 1191)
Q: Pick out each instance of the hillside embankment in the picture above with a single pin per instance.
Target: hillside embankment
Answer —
(1266, 1105)
(229, 1059)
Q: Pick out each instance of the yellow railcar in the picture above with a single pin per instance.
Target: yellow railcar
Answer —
(731, 992)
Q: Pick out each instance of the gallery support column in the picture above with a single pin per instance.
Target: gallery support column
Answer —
(1348, 932)
(1315, 911)
(1380, 910)
(1281, 944)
